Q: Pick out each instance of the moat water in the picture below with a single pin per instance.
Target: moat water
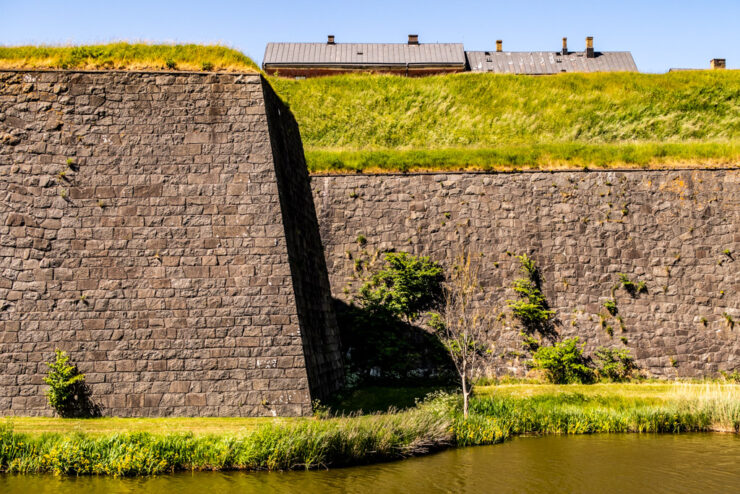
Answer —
(631, 463)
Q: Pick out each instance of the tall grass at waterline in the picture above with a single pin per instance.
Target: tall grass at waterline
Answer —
(721, 401)
(304, 444)
(496, 414)
(127, 56)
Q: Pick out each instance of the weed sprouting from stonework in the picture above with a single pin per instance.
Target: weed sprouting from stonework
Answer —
(730, 321)
(611, 306)
(532, 309)
(633, 288)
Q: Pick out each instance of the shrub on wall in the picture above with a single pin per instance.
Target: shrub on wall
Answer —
(406, 287)
(532, 309)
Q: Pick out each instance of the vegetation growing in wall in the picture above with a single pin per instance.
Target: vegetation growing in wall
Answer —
(127, 56)
(488, 121)
(378, 333)
(406, 287)
(531, 309)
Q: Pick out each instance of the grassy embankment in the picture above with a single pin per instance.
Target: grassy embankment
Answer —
(145, 446)
(126, 56)
(498, 122)
(468, 121)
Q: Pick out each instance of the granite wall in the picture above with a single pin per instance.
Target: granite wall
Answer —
(143, 229)
(678, 231)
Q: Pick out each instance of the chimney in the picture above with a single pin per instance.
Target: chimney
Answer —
(718, 63)
(413, 39)
(330, 39)
(590, 47)
(499, 45)
(565, 46)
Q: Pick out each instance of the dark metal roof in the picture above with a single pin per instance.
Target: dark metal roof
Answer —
(363, 54)
(549, 62)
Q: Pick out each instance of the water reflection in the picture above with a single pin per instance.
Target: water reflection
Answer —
(694, 463)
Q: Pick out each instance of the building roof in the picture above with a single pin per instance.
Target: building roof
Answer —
(549, 62)
(364, 54)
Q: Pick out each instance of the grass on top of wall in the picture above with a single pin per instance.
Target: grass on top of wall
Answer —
(560, 156)
(127, 56)
(492, 121)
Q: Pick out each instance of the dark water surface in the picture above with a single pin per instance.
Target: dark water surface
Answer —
(631, 463)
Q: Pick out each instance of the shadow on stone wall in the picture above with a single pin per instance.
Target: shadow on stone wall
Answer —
(380, 349)
(81, 406)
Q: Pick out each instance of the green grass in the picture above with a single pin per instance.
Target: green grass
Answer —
(145, 447)
(499, 122)
(291, 445)
(529, 157)
(109, 425)
(127, 56)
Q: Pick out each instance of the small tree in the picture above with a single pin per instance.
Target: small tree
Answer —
(68, 394)
(407, 286)
(463, 324)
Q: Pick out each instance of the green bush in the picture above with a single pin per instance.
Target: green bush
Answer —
(563, 363)
(615, 364)
(406, 287)
(378, 335)
(68, 393)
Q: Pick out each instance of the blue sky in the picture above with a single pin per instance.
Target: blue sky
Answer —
(660, 33)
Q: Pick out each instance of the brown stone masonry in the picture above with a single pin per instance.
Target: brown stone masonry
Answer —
(679, 231)
(142, 230)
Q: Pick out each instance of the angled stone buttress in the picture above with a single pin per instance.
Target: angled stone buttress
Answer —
(160, 228)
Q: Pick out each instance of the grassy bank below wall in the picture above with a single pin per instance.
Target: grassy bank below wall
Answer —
(497, 413)
(491, 121)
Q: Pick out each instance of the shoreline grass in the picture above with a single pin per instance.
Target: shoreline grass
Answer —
(497, 413)
(127, 56)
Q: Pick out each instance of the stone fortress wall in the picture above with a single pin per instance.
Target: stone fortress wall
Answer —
(678, 231)
(157, 227)
(160, 228)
